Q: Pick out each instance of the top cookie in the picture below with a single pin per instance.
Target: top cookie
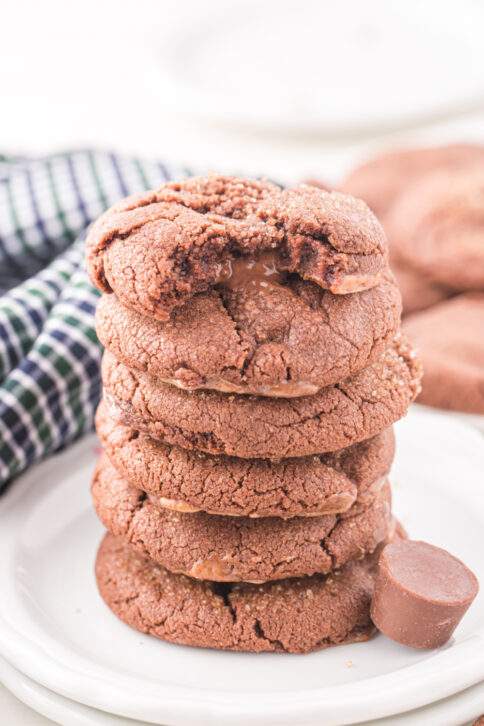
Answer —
(380, 180)
(157, 250)
(437, 228)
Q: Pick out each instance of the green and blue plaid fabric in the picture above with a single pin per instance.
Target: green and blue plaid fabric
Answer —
(49, 353)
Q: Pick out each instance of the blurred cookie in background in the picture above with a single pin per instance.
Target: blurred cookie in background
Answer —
(431, 204)
(436, 228)
(418, 292)
(319, 184)
(388, 184)
(380, 180)
(449, 338)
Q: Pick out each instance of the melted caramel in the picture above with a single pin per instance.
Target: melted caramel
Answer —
(260, 272)
(291, 389)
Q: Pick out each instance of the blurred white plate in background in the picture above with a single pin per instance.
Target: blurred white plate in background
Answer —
(324, 66)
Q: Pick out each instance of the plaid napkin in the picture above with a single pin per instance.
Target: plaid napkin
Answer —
(49, 353)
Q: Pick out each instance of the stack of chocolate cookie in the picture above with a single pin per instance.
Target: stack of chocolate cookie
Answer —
(252, 373)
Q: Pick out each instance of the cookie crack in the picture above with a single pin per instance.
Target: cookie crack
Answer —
(248, 354)
(323, 543)
(223, 591)
(137, 507)
(116, 235)
(260, 633)
(205, 439)
(304, 419)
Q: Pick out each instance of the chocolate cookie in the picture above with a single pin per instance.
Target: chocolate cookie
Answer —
(249, 427)
(278, 340)
(157, 250)
(437, 228)
(192, 481)
(294, 616)
(233, 549)
(450, 339)
(379, 181)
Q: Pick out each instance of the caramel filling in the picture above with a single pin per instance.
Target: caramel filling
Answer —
(336, 503)
(291, 389)
(260, 272)
(262, 275)
(176, 505)
(263, 271)
(355, 283)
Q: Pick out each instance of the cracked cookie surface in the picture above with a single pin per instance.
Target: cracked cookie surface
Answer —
(192, 481)
(281, 340)
(293, 616)
(256, 427)
(233, 549)
(158, 249)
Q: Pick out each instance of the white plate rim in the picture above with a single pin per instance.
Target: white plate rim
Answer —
(52, 705)
(55, 707)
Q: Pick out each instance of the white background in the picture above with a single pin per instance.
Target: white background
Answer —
(287, 88)
(290, 89)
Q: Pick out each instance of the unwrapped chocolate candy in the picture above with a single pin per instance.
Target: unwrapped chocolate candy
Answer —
(421, 593)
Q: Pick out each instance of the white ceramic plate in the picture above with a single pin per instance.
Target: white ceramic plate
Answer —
(55, 629)
(53, 706)
(320, 67)
(453, 711)
(472, 419)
